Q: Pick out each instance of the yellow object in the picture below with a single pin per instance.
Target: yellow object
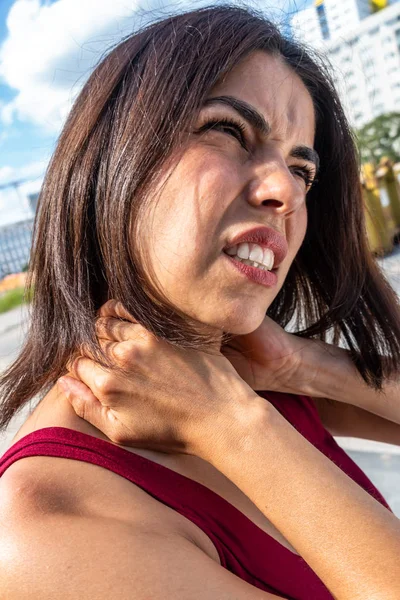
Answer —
(368, 176)
(378, 218)
(319, 2)
(374, 238)
(389, 184)
(378, 4)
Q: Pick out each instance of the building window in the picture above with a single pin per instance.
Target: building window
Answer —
(321, 14)
(368, 64)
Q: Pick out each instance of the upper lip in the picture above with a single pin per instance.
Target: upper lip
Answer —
(266, 237)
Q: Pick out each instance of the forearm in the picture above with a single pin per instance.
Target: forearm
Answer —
(337, 378)
(350, 540)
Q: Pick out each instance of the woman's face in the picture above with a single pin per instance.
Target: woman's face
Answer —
(227, 183)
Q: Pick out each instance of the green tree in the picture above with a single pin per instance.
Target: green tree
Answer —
(380, 137)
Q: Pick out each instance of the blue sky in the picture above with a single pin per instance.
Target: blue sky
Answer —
(47, 50)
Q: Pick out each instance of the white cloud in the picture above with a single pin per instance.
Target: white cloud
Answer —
(34, 171)
(14, 203)
(51, 49)
(13, 207)
(6, 174)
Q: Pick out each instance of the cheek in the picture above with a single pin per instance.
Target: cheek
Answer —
(299, 229)
(303, 223)
(296, 228)
(189, 214)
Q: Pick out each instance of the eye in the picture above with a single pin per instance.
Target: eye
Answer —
(307, 174)
(235, 128)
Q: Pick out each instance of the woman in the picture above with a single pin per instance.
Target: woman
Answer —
(192, 150)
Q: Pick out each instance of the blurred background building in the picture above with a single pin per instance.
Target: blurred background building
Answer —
(16, 235)
(361, 39)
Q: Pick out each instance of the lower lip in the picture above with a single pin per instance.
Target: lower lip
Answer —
(265, 278)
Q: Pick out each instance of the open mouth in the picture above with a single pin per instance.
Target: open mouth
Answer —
(250, 263)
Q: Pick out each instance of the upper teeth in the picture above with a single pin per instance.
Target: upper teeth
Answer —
(253, 252)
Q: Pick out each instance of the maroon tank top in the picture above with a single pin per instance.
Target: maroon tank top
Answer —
(243, 548)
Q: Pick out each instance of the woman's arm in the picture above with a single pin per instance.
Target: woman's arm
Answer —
(271, 358)
(336, 378)
(350, 540)
(351, 421)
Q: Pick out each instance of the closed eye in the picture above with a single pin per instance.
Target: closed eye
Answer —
(235, 128)
(306, 173)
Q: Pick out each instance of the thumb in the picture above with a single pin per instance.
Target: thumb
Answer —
(83, 401)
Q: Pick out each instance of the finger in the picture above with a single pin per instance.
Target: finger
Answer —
(114, 308)
(95, 377)
(122, 354)
(73, 387)
(108, 328)
(86, 405)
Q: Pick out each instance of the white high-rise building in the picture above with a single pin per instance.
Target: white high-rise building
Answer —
(328, 19)
(364, 50)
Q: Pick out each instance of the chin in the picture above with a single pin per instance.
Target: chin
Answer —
(244, 322)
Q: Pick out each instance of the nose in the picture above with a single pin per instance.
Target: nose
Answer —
(276, 187)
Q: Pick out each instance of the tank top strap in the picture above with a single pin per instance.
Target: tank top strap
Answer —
(243, 547)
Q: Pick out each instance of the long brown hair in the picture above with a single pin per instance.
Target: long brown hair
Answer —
(129, 119)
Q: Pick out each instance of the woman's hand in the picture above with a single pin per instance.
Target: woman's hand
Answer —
(159, 397)
(270, 358)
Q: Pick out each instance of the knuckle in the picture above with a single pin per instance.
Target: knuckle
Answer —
(145, 337)
(103, 326)
(100, 322)
(124, 353)
(103, 383)
(107, 308)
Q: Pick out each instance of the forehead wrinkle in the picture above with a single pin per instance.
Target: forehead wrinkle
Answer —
(291, 116)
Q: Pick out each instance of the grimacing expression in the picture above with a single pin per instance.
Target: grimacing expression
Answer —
(228, 180)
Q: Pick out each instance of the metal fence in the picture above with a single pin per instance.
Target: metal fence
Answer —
(15, 245)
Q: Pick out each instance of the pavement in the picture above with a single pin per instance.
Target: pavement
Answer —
(391, 267)
(13, 327)
(379, 461)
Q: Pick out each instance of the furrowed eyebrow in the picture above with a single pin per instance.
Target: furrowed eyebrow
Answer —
(247, 111)
(306, 153)
(252, 116)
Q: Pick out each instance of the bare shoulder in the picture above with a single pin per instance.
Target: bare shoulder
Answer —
(66, 486)
(54, 487)
(53, 541)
